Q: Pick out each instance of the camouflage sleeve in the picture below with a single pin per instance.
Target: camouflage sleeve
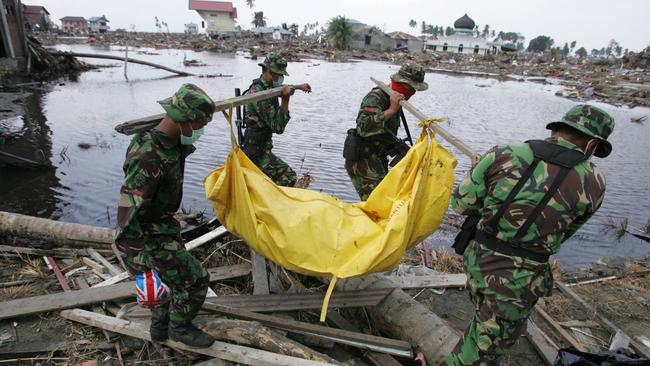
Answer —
(140, 185)
(469, 194)
(595, 193)
(267, 113)
(370, 119)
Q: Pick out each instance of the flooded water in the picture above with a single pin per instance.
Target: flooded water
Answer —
(83, 186)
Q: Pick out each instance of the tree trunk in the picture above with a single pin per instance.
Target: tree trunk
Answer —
(401, 317)
(254, 334)
(57, 232)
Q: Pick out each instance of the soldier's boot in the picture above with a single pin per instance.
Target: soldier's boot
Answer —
(159, 328)
(189, 335)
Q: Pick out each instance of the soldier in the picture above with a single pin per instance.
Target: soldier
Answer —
(267, 117)
(368, 146)
(523, 201)
(147, 234)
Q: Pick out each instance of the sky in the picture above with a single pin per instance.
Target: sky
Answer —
(591, 24)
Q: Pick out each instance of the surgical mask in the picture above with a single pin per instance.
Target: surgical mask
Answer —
(279, 81)
(190, 140)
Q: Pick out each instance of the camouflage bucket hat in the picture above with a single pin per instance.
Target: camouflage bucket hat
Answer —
(411, 74)
(591, 121)
(189, 104)
(275, 63)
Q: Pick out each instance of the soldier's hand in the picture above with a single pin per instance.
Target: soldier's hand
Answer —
(286, 91)
(304, 87)
(395, 98)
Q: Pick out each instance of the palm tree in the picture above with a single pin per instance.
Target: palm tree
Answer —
(339, 32)
(250, 3)
(259, 20)
(413, 23)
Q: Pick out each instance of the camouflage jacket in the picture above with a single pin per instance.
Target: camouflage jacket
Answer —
(371, 122)
(152, 188)
(488, 184)
(265, 114)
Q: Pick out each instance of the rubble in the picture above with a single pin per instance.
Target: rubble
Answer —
(622, 81)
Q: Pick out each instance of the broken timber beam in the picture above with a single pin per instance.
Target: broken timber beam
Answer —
(558, 328)
(359, 340)
(62, 233)
(455, 141)
(640, 349)
(65, 300)
(120, 58)
(146, 123)
(225, 351)
(544, 346)
(260, 274)
(401, 317)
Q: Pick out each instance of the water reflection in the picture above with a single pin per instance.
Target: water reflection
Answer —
(31, 192)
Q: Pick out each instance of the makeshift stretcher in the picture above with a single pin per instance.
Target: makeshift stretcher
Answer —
(317, 234)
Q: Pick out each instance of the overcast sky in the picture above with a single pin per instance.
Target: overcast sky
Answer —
(592, 23)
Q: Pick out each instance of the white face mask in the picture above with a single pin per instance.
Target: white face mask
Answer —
(279, 81)
(190, 140)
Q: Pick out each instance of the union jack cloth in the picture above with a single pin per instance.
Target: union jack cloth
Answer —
(150, 290)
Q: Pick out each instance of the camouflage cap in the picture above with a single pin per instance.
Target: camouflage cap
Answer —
(275, 63)
(591, 121)
(411, 74)
(189, 104)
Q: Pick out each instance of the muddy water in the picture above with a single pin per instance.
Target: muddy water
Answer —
(84, 183)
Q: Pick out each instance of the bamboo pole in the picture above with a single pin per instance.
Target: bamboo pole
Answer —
(456, 142)
(120, 58)
(146, 123)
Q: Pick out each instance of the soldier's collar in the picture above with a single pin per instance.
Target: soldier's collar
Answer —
(163, 139)
(265, 83)
(564, 142)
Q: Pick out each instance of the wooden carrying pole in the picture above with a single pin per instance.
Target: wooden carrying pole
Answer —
(436, 128)
(146, 123)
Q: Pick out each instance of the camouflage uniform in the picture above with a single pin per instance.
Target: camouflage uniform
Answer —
(147, 234)
(263, 119)
(372, 165)
(504, 288)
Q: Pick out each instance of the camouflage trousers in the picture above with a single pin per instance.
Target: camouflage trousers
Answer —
(276, 169)
(366, 173)
(184, 275)
(503, 289)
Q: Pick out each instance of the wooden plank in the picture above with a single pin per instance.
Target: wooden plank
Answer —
(441, 280)
(51, 263)
(620, 340)
(544, 346)
(260, 274)
(92, 264)
(59, 252)
(112, 269)
(146, 123)
(456, 142)
(290, 302)
(561, 332)
(360, 340)
(376, 358)
(225, 351)
(602, 320)
(65, 300)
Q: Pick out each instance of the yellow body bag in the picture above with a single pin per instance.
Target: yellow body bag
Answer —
(317, 234)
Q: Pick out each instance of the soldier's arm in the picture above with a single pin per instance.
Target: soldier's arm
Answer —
(469, 194)
(372, 117)
(595, 195)
(139, 188)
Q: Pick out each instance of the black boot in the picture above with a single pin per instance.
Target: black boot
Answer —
(159, 328)
(190, 335)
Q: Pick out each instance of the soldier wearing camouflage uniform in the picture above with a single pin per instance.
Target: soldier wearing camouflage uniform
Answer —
(379, 116)
(267, 117)
(507, 265)
(147, 234)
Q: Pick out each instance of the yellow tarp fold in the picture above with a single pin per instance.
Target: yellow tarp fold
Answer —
(317, 234)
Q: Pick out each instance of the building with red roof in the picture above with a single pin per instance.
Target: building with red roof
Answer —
(36, 17)
(76, 25)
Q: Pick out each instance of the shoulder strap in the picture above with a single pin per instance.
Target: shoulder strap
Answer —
(551, 153)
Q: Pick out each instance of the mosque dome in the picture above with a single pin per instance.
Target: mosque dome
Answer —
(464, 22)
